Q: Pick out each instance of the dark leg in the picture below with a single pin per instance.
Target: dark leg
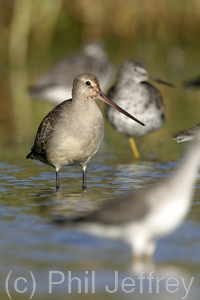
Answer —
(57, 181)
(84, 186)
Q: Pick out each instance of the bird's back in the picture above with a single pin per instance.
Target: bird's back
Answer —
(45, 131)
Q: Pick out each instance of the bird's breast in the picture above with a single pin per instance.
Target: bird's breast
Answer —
(77, 138)
(139, 104)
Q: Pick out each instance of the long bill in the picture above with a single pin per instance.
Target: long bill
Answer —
(162, 81)
(103, 97)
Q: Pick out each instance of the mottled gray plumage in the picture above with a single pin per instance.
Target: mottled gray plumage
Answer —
(132, 92)
(72, 132)
(186, 135)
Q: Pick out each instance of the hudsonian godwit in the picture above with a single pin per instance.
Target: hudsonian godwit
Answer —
(72, 132)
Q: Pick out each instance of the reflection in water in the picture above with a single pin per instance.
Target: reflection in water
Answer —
(65, 204)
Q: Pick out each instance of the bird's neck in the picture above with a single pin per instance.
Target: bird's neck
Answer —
(123, 82)
(87, 106)
(80, 100)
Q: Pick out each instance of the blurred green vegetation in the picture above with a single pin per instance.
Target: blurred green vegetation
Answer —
(31, 28)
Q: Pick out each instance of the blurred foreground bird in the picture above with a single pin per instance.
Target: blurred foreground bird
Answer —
(186, 135)
(55, 86)
(146, 214)
(71, 133)
(132, 92)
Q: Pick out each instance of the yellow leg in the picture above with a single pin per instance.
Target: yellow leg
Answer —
(134, 148)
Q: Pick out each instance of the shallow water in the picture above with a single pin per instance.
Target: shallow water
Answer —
(30, 242)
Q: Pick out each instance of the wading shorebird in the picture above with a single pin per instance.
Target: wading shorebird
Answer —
(186, 135)
(55, 86)
(71, 133)
(145, 214)
(132, 92)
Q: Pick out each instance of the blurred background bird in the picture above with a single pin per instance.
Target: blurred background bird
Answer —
(187, 134)
(56, 84)
(191, 84)
(132, 92)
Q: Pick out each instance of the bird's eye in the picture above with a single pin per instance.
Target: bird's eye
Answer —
(88, 83)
